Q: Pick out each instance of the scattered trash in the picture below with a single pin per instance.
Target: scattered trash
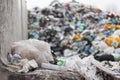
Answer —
(83, 31)
(28, 65)
(73, 32)
(29, 54)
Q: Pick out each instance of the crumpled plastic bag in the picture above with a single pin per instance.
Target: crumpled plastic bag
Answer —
(82, 66)
(67, 52)
(28, 51)
(28, 65)
(70, 62)
(102, 46)
(32, 49)
(117, 50)
(111, 39)
(109, 50)
(116, 34)
(40, 47)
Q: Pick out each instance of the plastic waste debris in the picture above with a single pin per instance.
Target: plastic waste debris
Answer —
(27, 65)
(30, 54)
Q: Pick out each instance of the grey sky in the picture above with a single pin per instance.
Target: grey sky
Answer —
(113, 5)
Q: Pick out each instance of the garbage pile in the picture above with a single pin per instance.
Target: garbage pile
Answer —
(65, 26)
(72, 30)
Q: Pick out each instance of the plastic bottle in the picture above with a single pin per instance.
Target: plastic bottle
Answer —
(53, 67)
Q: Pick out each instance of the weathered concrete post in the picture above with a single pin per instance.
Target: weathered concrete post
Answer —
(13, 24)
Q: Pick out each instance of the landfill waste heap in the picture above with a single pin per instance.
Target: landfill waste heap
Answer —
(67, 37)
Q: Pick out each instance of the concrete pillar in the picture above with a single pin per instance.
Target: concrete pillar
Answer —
(24, 19)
